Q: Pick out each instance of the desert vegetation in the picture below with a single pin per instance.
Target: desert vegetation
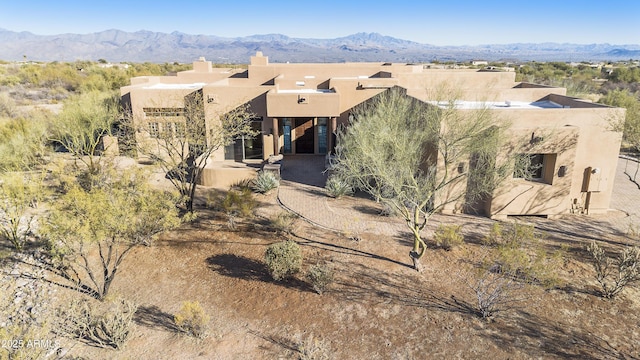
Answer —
(100, 259)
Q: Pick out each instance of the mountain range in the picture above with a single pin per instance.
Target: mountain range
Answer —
(157, 47)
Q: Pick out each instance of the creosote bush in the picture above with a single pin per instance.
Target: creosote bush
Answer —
(283, 259)
(265, 182)
(448, 236)
(320, 277)
(337, 187)
(519, 251)
(614, 275)
(192, 319)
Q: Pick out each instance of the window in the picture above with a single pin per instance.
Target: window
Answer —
(535, 167)
(154, 129)
(180, 129)
(286, 135)
(167, 130)
(246, 147)
(322, 135)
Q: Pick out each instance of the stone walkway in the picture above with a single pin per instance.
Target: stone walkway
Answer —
(302, 191)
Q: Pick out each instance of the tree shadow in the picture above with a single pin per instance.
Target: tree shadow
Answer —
(279, 341)
(369, 210)
(345, 250)
(366, 284)
(240, 267)
(153, 317)
(539, 336)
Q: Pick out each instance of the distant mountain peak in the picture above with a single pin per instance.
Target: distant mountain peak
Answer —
(144, 45)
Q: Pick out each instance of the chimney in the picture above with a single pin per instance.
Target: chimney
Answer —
(202, 65)
(259, 59)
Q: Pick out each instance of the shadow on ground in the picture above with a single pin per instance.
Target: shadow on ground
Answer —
(153, 317)
(241, 267)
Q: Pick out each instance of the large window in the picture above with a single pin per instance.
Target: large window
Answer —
(246, 147)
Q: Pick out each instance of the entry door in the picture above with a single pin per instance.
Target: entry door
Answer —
(304, 136)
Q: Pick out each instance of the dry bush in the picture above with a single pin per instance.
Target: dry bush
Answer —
(310, 347)
(283, 259)
(107, 328)
(614, 275)
(495, 292)
(192, 319)
(284, 222)
(320, 277)
(448, 236)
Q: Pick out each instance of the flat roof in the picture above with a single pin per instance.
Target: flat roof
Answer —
(501, 104)
(305, 91)
(175, 86)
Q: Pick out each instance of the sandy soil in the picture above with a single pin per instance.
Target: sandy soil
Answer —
(378, 307)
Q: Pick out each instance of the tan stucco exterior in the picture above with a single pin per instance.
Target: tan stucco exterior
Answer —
(300, 105)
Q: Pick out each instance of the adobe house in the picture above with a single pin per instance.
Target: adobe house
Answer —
(298, 108)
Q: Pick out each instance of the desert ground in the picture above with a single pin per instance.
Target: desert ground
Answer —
(378, 306)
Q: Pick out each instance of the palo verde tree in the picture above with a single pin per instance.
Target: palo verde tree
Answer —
(80, 127)
(91, 231)
(181, 141)
(414, 156)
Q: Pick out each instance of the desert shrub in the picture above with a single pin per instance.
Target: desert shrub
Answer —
(110, 328)
(265, 182)
(337, 187)
(238, 203)
(192, 320)
(614, 275)
(241, 185)
(494, 237)
(284, 222)
(19, 197)
(494, 292)
(283, 259)
(311, 347)
(320, 277)
(448, 236)
(520, 253)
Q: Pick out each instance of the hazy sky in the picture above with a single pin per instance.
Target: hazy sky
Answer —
(457, 22)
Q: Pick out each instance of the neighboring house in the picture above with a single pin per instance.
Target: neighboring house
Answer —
(298, 108)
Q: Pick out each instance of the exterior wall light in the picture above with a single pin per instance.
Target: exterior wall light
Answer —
(562, 171)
